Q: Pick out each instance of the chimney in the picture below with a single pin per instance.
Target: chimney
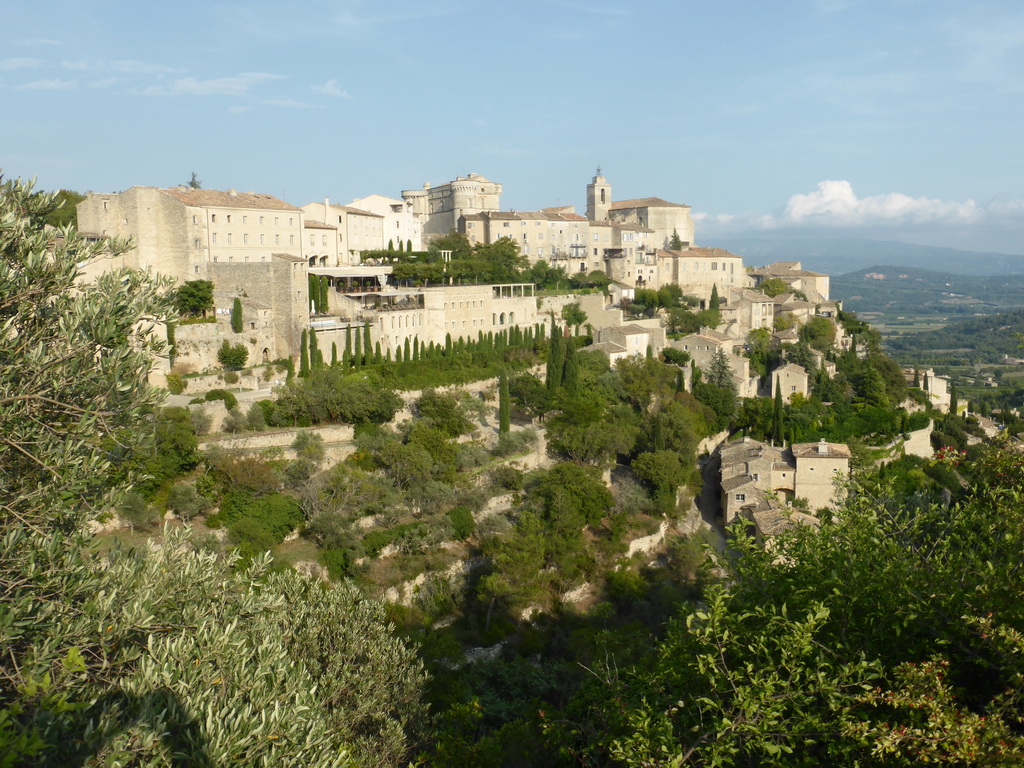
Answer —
(233, 192)
(822, 447)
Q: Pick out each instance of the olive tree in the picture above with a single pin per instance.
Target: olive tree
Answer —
(161, 657)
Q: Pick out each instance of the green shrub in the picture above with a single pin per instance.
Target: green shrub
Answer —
(230, 377)
(507, 478)
(462, 522)
(176, 383)
(230, 401)
(338, 562)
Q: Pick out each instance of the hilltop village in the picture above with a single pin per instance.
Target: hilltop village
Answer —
(416, 478)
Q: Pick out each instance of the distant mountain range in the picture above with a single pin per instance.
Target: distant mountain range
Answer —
(836, 256)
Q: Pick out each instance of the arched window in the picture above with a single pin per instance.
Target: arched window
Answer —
(501, 319)
(266, 355)
(511, 318)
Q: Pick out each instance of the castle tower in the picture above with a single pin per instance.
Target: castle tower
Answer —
(599, 197)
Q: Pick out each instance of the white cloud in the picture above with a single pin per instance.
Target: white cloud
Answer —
(130, 67)
(48, 85)
(237, 85)
(834, 204)
(330, 88)
(9, 64)
(107, 82)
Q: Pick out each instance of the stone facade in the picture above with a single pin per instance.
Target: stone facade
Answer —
(440, 208)
(356, 231)
(752, 471)
(814, 285)
(400, 222)
(790, 380)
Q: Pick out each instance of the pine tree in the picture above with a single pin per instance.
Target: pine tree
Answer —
(303, 355)
(675, 242)
(504, 405)
(236, 315)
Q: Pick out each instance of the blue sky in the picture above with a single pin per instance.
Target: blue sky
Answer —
(898, 120)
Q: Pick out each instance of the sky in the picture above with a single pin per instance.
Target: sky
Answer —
(895, 119)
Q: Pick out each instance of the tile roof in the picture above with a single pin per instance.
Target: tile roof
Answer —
(288, 257)
(231, 199)
(644, 202)
(821, 450)
(308, 224)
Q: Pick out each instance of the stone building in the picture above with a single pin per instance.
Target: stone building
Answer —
(630, 340)
(356, 231)
(790, 379)
(400, 225)
(752, 471)
(814, 285)
(249, 245)
(179, 231)
(663, 218)
(440, 208)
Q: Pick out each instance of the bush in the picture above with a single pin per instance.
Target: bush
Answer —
(514, 443)
(255, 419)
(230, 377)
(232, 356)
(185, 502)
(201, 421)
(462, 522)
(338, 561)
(234, 422)
(507, 478)
(230, 401)
(176, 383)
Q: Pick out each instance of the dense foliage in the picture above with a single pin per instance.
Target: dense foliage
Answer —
(168, 656)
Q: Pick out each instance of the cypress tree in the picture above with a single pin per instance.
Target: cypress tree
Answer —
(447, 345)
(556, 362)
(416, 348)
(314, 350)
(170, 343)
(391, 245)
(357, 354)
(650, 352)
(377, 359)
(323, 294)
(367, 344)
(398, 353)
(571, 369)
(504, 405)
(334, 354)
(303, 355)
(236, 315)
(313, 288)
(714, 303)
(917, 377)
(408, 350)
(680, 381)
(777, 429)
(408, 246)
(954, 404)
(658, 438)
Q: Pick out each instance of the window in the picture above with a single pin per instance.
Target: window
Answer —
(213, 218)
(277, 239)
(229, 218)
(194, 220)
(324, 243)
(229, 238)
(505, 225)
(197, 269)
(275, 221)
(290, 220)
(245, 239)
(714, 266)
(741, 497)
(213, 238)
(197, 242)
(291, 239)
(245, 219)
(261, 221)
(104, 205)
(263, 239)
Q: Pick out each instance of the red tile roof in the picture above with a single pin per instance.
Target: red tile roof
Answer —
(231, 199)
